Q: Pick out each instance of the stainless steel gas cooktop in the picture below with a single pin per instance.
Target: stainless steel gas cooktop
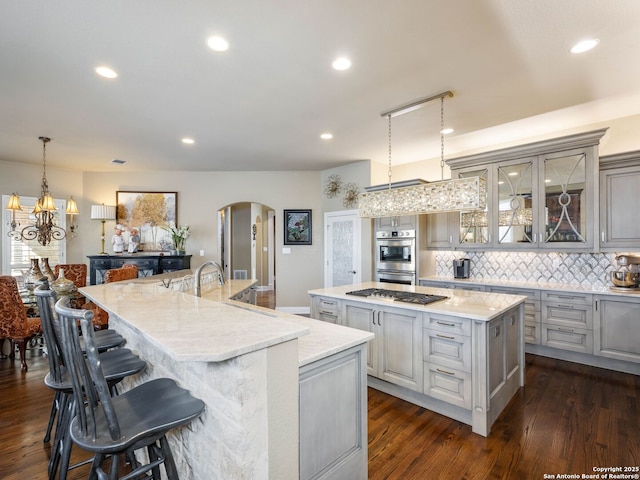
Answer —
(397, 296)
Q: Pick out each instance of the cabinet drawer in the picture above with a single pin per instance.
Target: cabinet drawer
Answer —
(566, 338)
(532, 295)
(142, 264)
(445, 323)
(569, 297)
(448, 385)
(434, 284)
(567, 314)
(327, 310)
(106, 263)
(171, 263)
(447, 349)
(532, 332)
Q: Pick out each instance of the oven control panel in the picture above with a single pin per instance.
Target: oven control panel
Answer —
(396, 234)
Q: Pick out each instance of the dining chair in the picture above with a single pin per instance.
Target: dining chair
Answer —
(116, 364)
(77, 273)
(128, 271)
(139, 418)
(14, 323)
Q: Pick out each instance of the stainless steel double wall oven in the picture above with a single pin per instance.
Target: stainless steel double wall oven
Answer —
(395, 256)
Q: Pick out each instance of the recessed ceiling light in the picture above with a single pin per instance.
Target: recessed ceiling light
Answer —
(117, 161)
(513, 174)
(341, 63)
(188, 141)
(218, 44)
(546, 180)
(106, 72)
(446, 131)
(584, 45)
(326, 136)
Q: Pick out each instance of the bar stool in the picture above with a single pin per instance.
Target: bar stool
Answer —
(116, 364)
(138, 418)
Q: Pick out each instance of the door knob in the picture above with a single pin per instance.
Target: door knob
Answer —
(352, 271)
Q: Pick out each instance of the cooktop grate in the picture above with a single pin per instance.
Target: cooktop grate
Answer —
(395, 295)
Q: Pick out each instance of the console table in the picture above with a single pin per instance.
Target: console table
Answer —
(147, 264)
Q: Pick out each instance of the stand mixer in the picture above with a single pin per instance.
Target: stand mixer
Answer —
(627, 277)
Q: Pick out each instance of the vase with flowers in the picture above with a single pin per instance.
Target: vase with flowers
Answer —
(179, 237)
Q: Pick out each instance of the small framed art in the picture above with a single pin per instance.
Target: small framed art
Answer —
(297, 227)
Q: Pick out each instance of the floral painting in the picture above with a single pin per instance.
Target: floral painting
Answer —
(151, 214)
(297, 227)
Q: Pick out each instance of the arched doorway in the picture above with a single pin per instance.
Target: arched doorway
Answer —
(247, 242)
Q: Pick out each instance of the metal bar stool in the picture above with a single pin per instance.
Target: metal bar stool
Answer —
(137, 419)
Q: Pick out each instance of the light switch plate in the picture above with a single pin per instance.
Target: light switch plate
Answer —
(286, 250)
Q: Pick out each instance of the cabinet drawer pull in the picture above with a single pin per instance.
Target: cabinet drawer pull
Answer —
(445, 324)
(324, 312)
(445, 336)
(566, 306)
(567, 330)
(566, 297)
(445, 372)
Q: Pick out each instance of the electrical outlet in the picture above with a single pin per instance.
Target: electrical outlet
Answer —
(202, 253)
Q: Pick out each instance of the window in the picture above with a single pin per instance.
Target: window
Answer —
(17, 254)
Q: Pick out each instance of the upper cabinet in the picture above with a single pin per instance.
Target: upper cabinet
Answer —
(540, 196)
(619, 215)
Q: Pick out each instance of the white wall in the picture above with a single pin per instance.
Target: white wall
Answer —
(202, 194)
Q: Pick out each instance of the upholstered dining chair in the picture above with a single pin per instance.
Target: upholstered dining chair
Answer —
(128, 271)
(14, 323)
(77, 273)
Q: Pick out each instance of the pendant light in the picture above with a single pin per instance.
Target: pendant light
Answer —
(44, 229)
(454, 195)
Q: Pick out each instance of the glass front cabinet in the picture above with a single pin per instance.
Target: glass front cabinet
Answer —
(539, 196)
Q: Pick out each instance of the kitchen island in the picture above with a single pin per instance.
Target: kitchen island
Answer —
(461, 356)
(285, 395)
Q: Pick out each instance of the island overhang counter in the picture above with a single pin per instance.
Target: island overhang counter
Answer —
(258, 371)
(462, 356)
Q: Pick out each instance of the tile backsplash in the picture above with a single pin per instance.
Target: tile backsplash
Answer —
(554, 267)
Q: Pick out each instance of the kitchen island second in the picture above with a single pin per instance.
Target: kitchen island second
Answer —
(461, 356)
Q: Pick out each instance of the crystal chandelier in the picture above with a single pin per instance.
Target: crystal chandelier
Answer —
(44, 229)
(462, 194)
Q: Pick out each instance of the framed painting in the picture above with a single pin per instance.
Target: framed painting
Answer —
(147, 214)
(297, 227)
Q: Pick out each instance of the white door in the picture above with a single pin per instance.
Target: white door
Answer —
(342, 248)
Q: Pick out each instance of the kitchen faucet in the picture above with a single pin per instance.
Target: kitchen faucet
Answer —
(198, 274)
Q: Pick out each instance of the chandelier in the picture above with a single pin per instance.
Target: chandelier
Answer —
(454, 195)
(44, 229)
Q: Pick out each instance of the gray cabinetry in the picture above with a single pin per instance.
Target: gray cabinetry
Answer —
(531, 311)
(619, 219)
(567, 321)
(326, 309)
(441, 231)
(617, 328)
(541, 196)
(447, 359)
(395, 353)
(333, 418)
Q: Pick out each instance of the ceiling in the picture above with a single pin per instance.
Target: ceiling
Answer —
(263, 104)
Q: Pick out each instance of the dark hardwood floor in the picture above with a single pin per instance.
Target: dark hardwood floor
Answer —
(568, 419)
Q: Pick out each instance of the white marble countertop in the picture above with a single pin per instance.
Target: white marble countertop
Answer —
(460, 303)
(214, 328)
(564, 287)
